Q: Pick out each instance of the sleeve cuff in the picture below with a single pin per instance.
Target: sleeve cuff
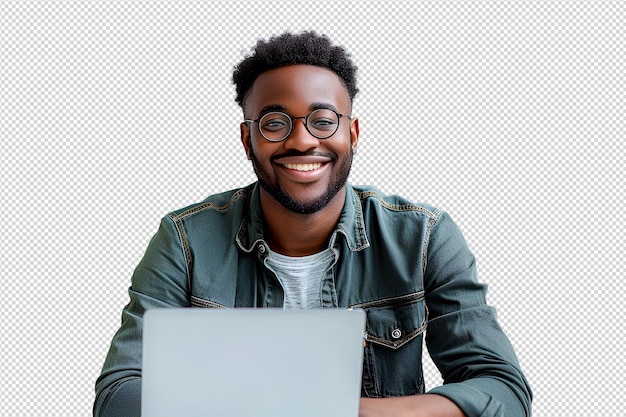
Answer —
(473, 402)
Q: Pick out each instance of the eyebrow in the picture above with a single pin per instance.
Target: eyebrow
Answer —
(321, 105)
(272, 107)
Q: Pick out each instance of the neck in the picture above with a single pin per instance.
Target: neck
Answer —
(295, 234)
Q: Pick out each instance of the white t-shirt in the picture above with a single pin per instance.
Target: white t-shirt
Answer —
(301, 277)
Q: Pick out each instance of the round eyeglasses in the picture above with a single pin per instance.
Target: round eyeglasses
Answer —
(276, 126)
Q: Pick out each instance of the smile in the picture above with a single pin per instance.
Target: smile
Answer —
(303, 167)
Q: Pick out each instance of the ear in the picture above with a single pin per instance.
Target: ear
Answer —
(244, 133)
(354, 134)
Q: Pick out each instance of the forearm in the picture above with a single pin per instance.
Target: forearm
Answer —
(427, 405)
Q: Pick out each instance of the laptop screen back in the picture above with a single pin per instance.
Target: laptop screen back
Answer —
(252, 362)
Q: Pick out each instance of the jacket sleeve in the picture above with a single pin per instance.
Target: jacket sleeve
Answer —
(160, 280)
(480, 370)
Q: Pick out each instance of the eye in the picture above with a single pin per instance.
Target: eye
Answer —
(274, 125)
(274, 122)
(323, 124)
(323, 120)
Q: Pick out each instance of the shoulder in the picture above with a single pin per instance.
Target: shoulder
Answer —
(373, 200)
(224, 202)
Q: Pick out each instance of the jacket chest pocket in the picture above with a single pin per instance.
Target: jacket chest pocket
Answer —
(392, 361)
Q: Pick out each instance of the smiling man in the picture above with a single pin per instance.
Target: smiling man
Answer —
(302, 237)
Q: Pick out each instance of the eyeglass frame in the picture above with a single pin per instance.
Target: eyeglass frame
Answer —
(291, 121)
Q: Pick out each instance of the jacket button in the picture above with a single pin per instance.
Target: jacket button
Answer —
(262, 249)
(396, 333)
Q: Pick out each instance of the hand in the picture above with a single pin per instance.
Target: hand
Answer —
(426, 405)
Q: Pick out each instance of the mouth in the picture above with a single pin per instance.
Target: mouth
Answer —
(303, 167)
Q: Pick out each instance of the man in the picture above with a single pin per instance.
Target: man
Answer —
(303, 238)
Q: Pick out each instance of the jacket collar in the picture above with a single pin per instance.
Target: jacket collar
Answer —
(351, 223)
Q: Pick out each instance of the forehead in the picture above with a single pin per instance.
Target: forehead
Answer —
(297, 88)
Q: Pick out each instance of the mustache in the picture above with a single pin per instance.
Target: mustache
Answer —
(330, 155)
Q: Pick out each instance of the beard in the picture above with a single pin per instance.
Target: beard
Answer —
(272, 185)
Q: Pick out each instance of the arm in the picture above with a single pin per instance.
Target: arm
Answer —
(479, 367)
(160, 280)
(430, 405)
(481, 374)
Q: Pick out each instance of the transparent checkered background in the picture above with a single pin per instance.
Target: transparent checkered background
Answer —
(510, 115)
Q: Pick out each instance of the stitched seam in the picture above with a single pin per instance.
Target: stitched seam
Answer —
(391, 301)
(432, 222)
(211, 206)
(398, 343)
(401, 207)
(200, 302)
(184, 243)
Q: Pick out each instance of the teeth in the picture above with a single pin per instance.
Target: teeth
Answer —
(303, 167)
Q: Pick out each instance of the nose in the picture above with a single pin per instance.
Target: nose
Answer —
(300, 139)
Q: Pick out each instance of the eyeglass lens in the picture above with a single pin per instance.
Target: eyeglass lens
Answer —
(321, 123)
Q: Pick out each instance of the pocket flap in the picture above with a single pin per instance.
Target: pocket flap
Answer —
(392, 322)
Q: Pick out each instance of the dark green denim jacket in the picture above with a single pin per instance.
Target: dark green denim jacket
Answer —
(406, 265)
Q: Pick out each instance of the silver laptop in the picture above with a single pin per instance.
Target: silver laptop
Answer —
(252, 362)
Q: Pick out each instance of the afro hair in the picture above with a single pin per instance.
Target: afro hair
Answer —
(306, 48)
